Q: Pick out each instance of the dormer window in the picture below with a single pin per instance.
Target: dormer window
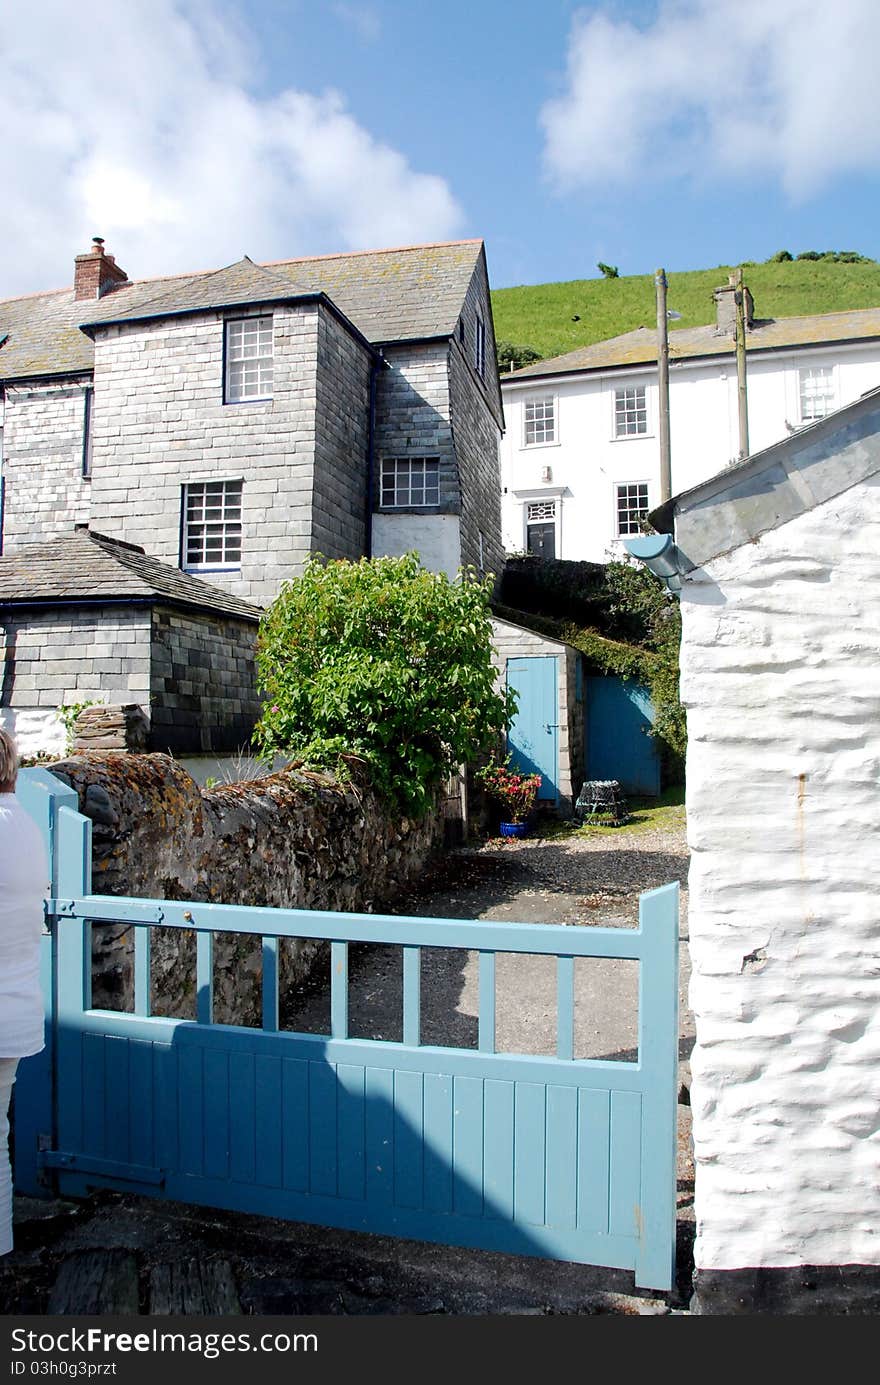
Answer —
(248, 359)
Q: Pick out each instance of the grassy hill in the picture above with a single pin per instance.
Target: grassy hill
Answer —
(541, 315)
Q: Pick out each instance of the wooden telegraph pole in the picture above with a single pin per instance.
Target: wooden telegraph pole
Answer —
(663, 386)
(742, 395)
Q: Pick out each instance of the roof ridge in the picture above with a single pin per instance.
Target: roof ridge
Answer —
(379, 250)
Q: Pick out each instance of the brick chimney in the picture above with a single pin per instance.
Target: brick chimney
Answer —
(725, 309)
(96, 272)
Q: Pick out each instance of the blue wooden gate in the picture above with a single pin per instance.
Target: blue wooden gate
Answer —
(533, 738)
(550, 1156)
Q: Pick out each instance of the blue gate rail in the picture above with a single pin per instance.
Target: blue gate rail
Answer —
(553, 1156)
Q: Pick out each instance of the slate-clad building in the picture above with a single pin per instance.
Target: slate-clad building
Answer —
(84, 618)
(234, 422)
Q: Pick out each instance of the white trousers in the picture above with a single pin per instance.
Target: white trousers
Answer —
(7, 1077)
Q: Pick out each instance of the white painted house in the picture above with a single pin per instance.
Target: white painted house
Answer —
(580, 458)
(777, 563)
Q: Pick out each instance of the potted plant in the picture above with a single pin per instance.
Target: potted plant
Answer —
(515, 791)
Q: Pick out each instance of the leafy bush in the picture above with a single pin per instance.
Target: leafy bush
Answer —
(608, 271)
(512, 357)
(385, 664)
(781, 257)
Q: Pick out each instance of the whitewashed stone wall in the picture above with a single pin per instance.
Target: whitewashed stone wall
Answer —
(781, 679)
(45, 493)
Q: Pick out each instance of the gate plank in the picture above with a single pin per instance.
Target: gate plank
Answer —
(323, 1153)
(242, 1133)
(380, 1136)
(351, 1123)
(271, 1120)
(190, 1102)
(625, 1190)
(498, 1147)
(438, 1141)
(530, 1152)
(216, 1080)
(408, 1139)
(293, 1101)
(594, 1152)
(467, 1146)
(562, 1141)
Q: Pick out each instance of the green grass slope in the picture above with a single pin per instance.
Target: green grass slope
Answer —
(541, 315)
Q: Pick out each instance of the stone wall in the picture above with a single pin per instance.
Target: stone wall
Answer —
(290, 840)
(72, 654)
(45, 493)
(780, 656)
(412, 419)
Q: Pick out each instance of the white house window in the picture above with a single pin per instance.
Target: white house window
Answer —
(212, 524)
(540, 421)
(88, 400)
(816, 391)
(541, 528)
(248, 359)
(630, 411)
(632, 506)
(410, 481)
(480, 346)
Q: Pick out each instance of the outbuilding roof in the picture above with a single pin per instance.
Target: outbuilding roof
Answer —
(408, 294)
(84, 567)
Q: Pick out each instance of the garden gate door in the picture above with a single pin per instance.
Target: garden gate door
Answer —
(552, 1156)
(533, 738)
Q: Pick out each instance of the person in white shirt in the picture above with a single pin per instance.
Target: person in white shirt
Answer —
(24, 884)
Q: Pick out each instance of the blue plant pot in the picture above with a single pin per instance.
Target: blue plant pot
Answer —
(514, 829)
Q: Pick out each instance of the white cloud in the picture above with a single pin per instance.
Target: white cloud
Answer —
(782, 88)
(138, 124)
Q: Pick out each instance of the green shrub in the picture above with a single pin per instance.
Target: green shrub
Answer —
(511, 357)
(608, 271)
(385, 664)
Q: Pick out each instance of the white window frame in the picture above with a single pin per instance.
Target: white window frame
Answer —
(248, 347)
(615, 492)
(829, 374)
(480, 346)
(396, 487)
(204, 521)
(533, 402)
(621, 391)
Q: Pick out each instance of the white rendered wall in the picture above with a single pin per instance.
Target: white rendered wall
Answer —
(436, 539)
(587, 461)
(781, 678)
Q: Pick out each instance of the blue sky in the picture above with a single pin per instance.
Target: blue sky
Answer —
(687, 133)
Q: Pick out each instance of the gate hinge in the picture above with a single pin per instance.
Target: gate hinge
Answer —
(66, 1162)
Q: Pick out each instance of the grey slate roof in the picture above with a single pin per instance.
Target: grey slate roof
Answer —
(388, 295)
(639, 347)
(90, 567)
(788, 479)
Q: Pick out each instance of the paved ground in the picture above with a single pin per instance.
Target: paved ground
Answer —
(159, 1257)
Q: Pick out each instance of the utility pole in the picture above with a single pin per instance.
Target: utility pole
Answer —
(742, 395)
(663, 386)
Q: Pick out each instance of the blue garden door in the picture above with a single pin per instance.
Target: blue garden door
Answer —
(533, 738)
(620, 715)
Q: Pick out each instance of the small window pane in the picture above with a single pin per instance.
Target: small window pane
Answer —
(212, 512)
(630, 412)
(816, 392)
(249, 348)
(632, 506)
(410, 481)
(540, 421)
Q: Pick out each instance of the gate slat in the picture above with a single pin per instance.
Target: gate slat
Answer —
(467, 1146)
(191, 1113)
(271, 1120)
(270, 983)
(351, 1124)
(205, 978)
(293, 1101)
(486, 1021)
(408, 1139)
(380, 1136)
(142, 951)
(322, 1126)
(117, 1098)
(91, 1094)
(594, 1154)
(562, 1141)
(139, 1116)
(412, 995)
(498, 1150)
(438, 1141)
(216, 1080)
(530, 1152)
(624, 1217)
(242, 1153)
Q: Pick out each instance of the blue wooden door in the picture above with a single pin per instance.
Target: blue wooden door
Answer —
(620, 715)
(533, 738)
